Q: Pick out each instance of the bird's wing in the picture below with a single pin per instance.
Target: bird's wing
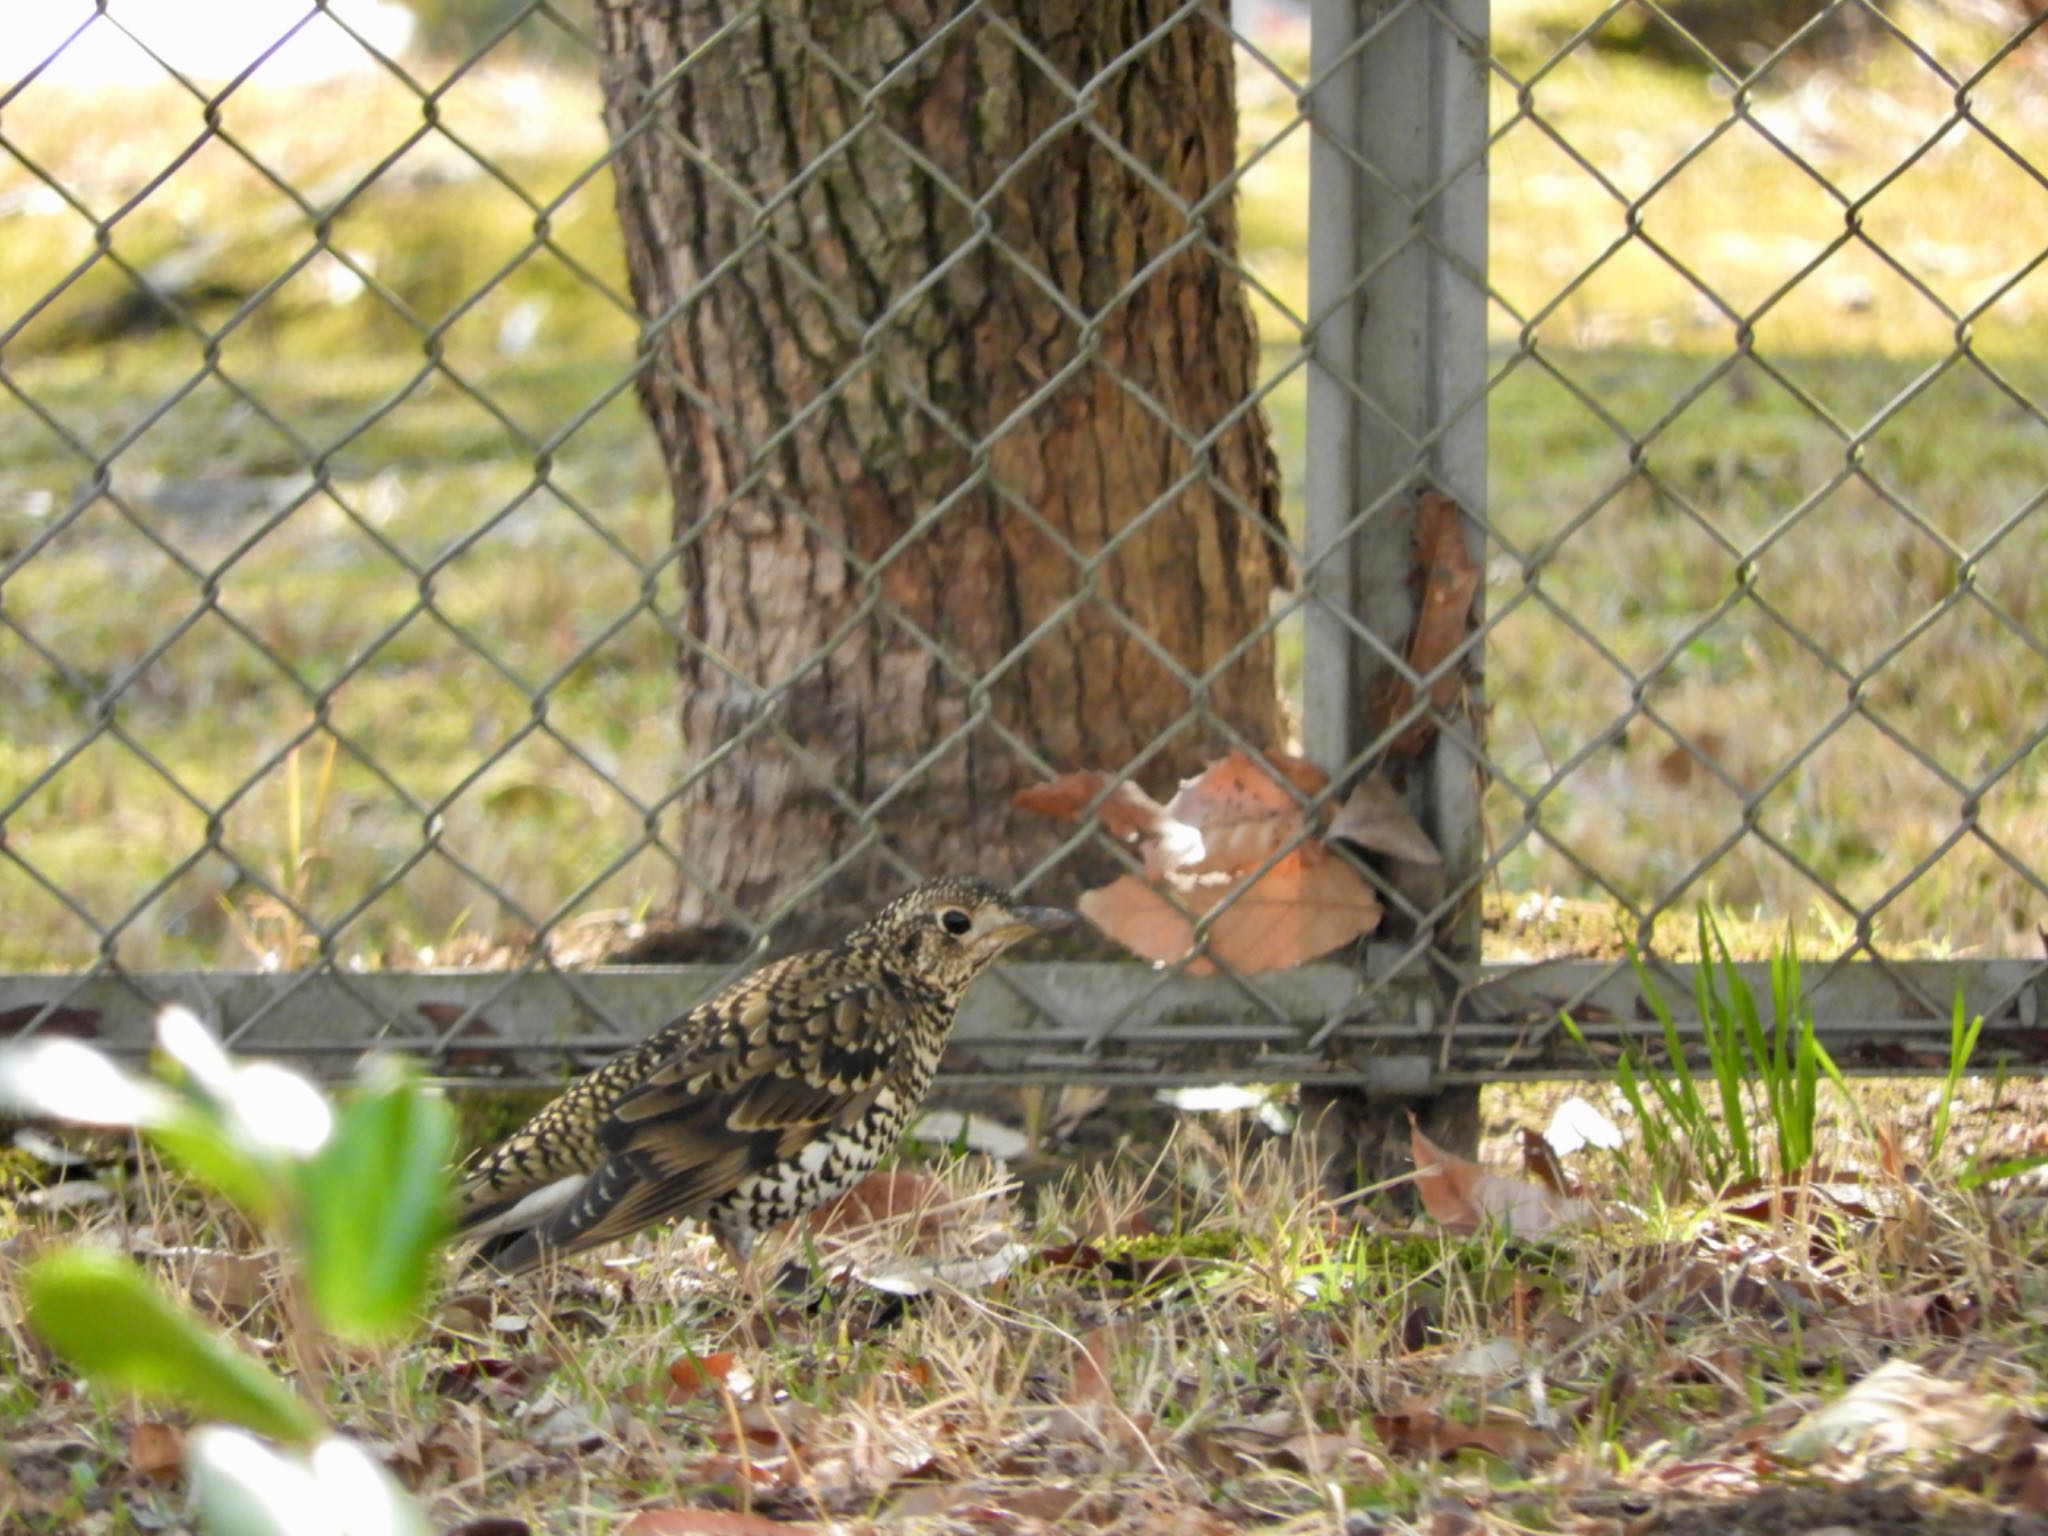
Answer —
(786, 1058)
(561, 1140)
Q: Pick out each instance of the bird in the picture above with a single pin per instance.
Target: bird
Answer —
(759, 1104)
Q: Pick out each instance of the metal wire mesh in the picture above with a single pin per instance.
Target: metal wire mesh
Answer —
(338, 608)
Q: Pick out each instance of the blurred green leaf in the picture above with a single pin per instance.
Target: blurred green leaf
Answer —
(193, 1136)
(101, 1313)
(374, 1205)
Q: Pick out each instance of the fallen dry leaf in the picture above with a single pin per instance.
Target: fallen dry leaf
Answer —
(769, 1475)
(1899, 1408)
(156, 1450)
(1091, 1365)
(451, 1450)
(1304, 906)
(1464, 1196)
(1230, 819)
(1376, 817)
(229, 1285)
(916, 1201)
(2023, 1476)
(1450, 580)
(1484, 1358)
(1090, 1406)
(714, 1522)
(927, 1501)
(868, 1466)
(1144, 921)
(1044, 1501)
(1279, 1438)
(1891, 1316)
(487, 1378)
(784, 1425)
(1240, 813)
(464, 1317)
(690, 1375)
(1418, 1429)
(1771, 1200)
(1540, 1162)
(914, 1277)
(1127, 813)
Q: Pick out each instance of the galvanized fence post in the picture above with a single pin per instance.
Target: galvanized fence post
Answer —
(1397, 387)
(1396, 405)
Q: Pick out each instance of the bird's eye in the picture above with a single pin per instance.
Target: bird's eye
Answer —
(955, 921)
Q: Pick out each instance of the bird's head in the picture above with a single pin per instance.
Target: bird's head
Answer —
(947, 932)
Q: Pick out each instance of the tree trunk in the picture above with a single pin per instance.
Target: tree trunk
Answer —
(870, 250)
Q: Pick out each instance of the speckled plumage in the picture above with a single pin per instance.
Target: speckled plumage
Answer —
(759, 1104)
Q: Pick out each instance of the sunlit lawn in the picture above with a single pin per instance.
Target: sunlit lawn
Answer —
(429, 585)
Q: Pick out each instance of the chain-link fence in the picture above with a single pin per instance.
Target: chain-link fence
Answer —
(1673, 372)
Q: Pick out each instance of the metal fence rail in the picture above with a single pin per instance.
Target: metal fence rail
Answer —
(295, 678)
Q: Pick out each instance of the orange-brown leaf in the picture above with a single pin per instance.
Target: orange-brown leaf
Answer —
(1464, 1196)
(714, 1522)
(1091, 1366)
(690, 1375)
(888, 1196)
(1304, 906)
(1127, 812)
(1450, 580)
(156, 1450)
(1539, 1161)
(1143, 921)
(229, 1285)
(1419, 1430)
(1243, 813)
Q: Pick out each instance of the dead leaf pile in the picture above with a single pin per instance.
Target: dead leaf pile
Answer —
(1206, 851)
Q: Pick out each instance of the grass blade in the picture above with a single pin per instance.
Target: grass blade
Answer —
(1962, 1044)
(1724, 1051)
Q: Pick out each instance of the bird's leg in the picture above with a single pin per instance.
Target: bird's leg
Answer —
(738, 1244)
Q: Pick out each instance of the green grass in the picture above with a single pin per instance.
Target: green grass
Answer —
(429, 542)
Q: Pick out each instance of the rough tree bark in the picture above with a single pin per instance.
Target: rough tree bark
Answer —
(870, 247)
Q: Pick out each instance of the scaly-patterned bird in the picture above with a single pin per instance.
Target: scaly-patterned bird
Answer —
(759, 1104)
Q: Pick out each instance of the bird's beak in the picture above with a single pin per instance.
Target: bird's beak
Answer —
(1025, 922)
